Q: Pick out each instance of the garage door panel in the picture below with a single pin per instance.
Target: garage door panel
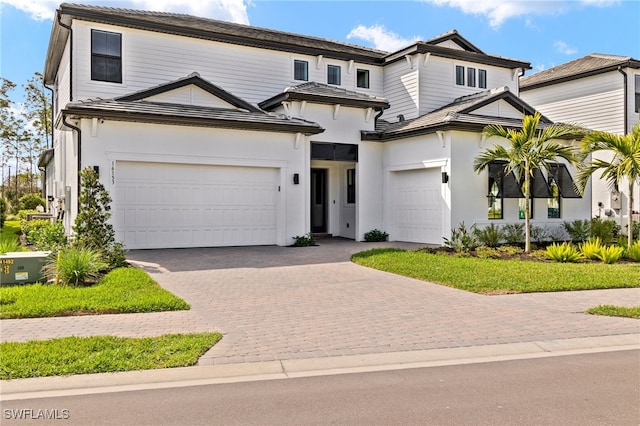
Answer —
(418, 206)
(176, 205)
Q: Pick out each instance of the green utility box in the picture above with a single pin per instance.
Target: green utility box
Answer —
(22, 267)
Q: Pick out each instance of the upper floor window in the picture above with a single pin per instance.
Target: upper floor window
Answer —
(362, 78)
(471, 77)
(482, 79)
(459, 75)
(637, 93)
(333, 74)
(300, 70)
(106, 56)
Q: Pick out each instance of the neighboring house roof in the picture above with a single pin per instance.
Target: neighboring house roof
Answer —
(589, 65)
(192, 79)
(325, 94)
(189, 115)
(456, 115)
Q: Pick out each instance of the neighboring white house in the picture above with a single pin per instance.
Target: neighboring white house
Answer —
(600, 92)
(209, 133)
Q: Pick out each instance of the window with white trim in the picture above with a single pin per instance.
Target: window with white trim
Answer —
(459, 75)
(471, 77)
(482, 79)
(333, 74)
(362, 78)
(300, 70)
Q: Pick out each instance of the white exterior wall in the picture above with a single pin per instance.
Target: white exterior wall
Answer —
(370, 201)
(122, 141)
(401, 90)
(596, 102)
(63, 78)
(150, 59)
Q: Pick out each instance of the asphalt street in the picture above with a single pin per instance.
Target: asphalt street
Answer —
(586, 389)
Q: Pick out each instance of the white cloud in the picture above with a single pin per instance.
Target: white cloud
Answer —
(381, 38)
(227, 10)
(499, 11)
(564, 48)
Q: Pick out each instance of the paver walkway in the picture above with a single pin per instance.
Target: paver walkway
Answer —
(279, 303)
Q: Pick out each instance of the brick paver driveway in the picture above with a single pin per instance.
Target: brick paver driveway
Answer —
(277, 303)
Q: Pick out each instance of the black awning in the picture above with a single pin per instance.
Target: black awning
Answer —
(508, 186)
(561, 175)
(539, 186)
(334, 151)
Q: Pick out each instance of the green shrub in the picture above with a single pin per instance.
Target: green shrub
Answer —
(74, 266)
(610, 254)
(31, 201)
(606, 230)
(591, 248)
(633, 252)
(44, 234)
(578, 230)
(510, 250)
(462, 239)
(22, 214)
(514, 233)
(486, 252)
(564, 253)
(375, 235)
(539, 234)
(304, 240)
(10, 245)
(489, 236)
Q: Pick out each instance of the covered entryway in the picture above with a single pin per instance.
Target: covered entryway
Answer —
(418, 206)
(161, 205)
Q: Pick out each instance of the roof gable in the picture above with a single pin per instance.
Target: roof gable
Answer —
(190, 90)
(451, 39)
(586, 66)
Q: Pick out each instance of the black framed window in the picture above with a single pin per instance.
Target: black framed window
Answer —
(300, 70)
(333, 74)
(351, 186)
(459, 75)
(471, 77)
(553, 203)
(106, 56)
(482, 79)
(362, 78)
(495, 200)
(637, 78)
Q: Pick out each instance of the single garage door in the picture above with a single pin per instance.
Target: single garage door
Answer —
(418, 206)
(164, 205)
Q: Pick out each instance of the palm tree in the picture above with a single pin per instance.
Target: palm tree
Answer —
(529, 149)
(624, 165)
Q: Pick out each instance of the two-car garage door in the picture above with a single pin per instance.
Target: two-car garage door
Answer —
(162, 205)
(418, 206)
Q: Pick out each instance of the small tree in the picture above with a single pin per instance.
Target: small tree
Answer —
(92, 228)
(529, 149)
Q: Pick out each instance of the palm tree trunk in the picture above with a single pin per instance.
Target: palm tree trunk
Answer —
(527, 213)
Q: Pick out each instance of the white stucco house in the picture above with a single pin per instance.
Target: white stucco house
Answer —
(208, 133)
(600, 92)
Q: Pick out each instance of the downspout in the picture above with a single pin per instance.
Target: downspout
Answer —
(79, 132)
(375, 119)
(626, 101)
(70, 53)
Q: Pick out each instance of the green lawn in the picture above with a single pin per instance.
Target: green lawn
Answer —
(101, 354)
(123, 290)
(616, 311)
(10, 229)
(499, 276)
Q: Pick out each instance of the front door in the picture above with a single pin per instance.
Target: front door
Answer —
(318, 200)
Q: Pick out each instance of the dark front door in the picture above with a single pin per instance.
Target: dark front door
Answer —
(318, 200)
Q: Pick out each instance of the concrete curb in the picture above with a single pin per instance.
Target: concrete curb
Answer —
(215, 374)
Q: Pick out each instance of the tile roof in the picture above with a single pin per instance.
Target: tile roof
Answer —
(457, 114)
(191, 115)
(592, 64)
(325, 94)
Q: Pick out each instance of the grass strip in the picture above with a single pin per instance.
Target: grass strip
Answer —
(101, 354)
(500, 276)
(123, 290)
(616, 311)
(10, 230)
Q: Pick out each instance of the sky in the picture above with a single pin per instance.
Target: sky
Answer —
(545, 33)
